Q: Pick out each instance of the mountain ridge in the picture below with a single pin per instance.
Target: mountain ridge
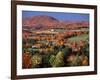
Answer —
(45, 22)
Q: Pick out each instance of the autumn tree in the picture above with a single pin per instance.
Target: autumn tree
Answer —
(26, 60)
(36, 60)
(58, 60)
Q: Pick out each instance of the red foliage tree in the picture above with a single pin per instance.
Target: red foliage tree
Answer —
(26, 60)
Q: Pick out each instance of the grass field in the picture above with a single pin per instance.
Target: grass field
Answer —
(82, 37)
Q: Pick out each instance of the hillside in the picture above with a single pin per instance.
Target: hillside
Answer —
(42, 22)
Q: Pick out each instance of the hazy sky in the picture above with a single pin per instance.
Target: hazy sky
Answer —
(58, 15)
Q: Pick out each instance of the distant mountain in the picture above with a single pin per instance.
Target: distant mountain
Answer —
(40, 21)
(45, 22)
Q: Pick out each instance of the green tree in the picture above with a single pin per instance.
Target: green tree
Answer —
(31, 41)
(36, 60)
(58, 60)
(67, 50)
(85, 49)
(45, 60)
(52, 58)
